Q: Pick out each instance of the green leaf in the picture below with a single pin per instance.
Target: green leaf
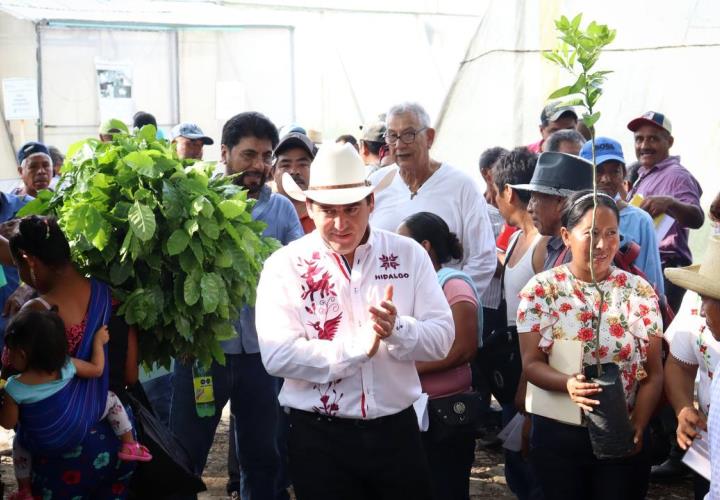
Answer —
(209, 228)
(183, 327)
(591, 120)
(119, 272)
(232, 209)
(142, 221)
(138, 160)
(191, 291)
(39, 206)
(224, 330)
(561, 92)
(147, 133)
(177, 242)
(210, 285)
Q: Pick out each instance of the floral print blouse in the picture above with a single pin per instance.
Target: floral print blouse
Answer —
(559, 306)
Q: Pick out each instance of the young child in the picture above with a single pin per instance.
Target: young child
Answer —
(37, 348)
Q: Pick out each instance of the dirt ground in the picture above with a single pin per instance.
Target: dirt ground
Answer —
(486, 482)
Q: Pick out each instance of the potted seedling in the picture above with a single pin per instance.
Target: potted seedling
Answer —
(611, 432)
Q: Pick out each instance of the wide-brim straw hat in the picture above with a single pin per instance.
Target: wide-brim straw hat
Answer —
(702, 278)
(337, 177)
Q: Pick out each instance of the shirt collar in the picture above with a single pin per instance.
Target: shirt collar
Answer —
(555, 242)
(670, 160)
(362, 248)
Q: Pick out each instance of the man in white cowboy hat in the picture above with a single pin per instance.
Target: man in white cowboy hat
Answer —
(343, 314)
(705, 280)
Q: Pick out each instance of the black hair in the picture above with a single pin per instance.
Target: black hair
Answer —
(40, 237)
(249, 124)
(632, 172)
(428, 226)
(41, 335)
(142, 118)
(373, 146)
(579, 203)
(55, 155)
(552, 144)
(516, 167)
(350, 139)
(490, 156)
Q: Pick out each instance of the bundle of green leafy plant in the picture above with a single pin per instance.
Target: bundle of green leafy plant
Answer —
(178, 246)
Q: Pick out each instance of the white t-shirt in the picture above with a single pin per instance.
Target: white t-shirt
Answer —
(692, 343)
(454, 196)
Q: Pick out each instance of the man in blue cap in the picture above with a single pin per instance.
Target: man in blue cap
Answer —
(635, 224)
(189, 140)
(35, 168)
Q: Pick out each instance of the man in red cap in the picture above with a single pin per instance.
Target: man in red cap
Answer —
(667, 188)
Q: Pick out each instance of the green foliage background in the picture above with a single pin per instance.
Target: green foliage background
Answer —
(178, 246)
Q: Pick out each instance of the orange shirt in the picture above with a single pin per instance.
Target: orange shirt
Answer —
(307, 223)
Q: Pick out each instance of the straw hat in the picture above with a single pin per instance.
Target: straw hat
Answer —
(701, 278)
(337, 177)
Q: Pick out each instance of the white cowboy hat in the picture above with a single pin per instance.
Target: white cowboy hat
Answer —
(701, 278)
(337, 177)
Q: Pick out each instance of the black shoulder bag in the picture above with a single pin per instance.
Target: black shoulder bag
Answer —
(499, 358)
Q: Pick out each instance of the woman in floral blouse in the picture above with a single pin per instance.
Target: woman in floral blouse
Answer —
(562, 303)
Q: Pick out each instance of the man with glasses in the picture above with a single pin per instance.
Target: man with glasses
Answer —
(248, 140)
(428, 185)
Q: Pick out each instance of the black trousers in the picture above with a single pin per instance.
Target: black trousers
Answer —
(562, 458)
(332, 458)
(450, 460)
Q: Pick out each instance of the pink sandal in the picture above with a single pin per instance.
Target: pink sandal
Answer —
(134, 452)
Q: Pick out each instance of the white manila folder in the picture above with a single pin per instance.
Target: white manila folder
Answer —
(566, 357)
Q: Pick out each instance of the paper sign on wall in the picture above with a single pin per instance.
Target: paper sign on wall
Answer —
(115, 90)
(20, 99)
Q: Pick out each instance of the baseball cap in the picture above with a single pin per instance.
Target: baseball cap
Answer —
(31, 148)
(553, 111)
(651, 118)
(606, 149)
(113, 126)
(373, 131)
(296, 140)
(190, 131)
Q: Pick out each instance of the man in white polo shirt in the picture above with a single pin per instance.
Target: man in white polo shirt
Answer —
(343, 314)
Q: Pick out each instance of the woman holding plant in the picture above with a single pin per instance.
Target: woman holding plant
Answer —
(618, 323)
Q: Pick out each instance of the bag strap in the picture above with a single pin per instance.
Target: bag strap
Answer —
(511, 248)
(561, 257)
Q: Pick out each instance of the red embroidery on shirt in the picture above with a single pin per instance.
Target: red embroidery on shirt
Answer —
(328, 329)
(328, 407)
(321, 302)
(312, 285)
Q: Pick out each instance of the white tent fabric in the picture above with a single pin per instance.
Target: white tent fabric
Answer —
(663, 59)
(325, 65)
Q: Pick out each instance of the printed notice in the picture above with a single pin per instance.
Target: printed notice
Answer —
(20, 99)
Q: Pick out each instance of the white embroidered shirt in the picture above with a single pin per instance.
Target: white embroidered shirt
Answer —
(314, 327)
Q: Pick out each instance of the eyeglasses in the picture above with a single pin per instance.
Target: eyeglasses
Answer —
(251, 156)
(407, 137)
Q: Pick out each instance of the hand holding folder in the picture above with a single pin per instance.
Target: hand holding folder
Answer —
(566, 357)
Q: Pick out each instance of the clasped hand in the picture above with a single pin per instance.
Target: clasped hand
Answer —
(383, 320)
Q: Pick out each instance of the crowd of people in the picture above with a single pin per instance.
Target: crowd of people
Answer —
(403, 300)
